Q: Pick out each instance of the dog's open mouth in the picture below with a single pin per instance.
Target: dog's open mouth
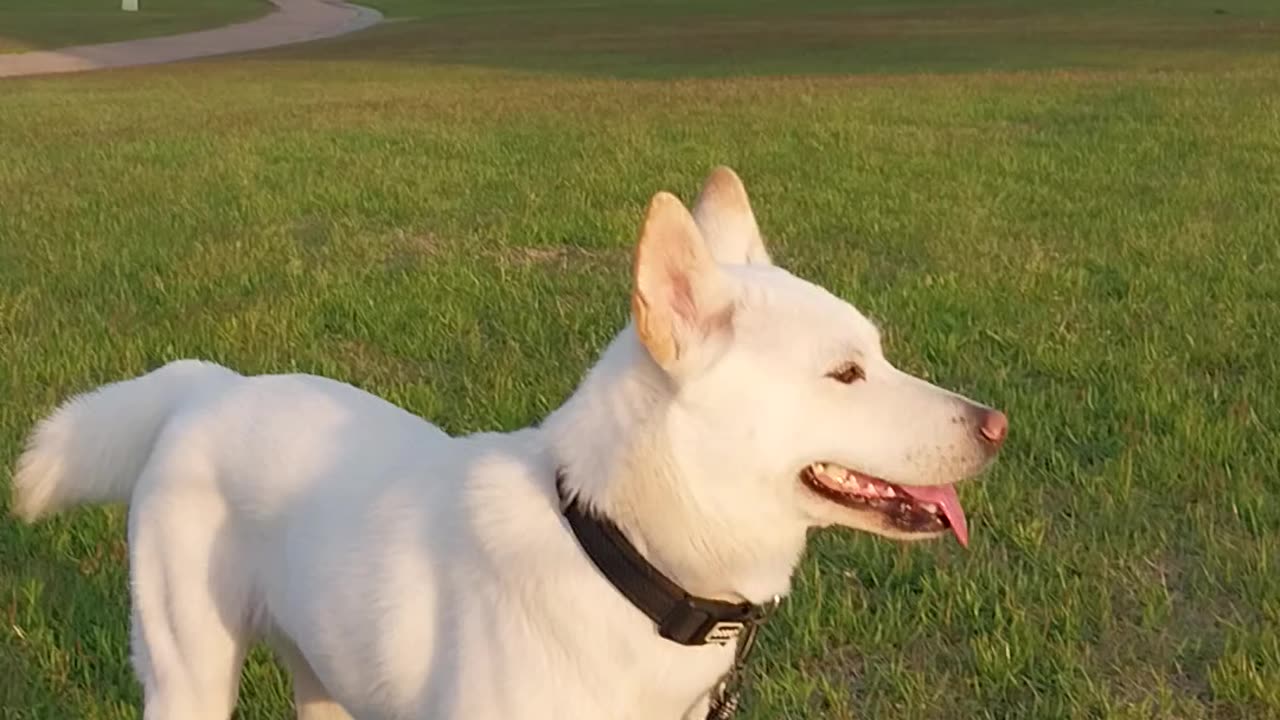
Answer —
(910, 508)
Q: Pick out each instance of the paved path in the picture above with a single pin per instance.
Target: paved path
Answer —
(293, 21)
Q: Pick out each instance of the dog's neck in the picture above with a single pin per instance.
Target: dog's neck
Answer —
(617, 442)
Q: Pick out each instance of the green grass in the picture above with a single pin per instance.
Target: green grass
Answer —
(1081, 227)
(658, 38)
(43, 24)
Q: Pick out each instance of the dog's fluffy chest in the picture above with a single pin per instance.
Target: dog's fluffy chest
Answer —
(463, 595)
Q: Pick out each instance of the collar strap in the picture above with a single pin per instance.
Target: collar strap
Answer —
(680, 617)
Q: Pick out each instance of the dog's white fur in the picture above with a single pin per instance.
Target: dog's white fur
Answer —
(402, 573)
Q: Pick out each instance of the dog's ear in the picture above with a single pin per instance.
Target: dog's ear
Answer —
(681, 300)
(723, 213)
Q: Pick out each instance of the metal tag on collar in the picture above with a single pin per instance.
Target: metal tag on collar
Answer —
(723, 633)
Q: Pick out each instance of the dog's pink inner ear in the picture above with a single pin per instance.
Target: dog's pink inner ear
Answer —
(679, 297)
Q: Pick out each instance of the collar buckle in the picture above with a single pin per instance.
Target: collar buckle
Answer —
(690, 624)
(724, 632)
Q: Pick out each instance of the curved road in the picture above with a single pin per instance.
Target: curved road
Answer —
(294, 21)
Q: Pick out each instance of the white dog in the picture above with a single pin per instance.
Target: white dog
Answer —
(403, 573)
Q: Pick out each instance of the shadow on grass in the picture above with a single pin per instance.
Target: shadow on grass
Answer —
(66, 615)
(712, 38)
(810, 37)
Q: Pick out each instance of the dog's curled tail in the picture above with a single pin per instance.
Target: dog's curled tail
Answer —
(93, 447)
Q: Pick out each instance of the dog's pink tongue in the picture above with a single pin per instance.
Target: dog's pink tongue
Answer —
(944, 496)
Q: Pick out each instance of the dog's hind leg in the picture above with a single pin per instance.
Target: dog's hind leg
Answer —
(190, 615)
(310, 699)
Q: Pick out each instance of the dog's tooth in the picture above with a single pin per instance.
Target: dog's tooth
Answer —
(929, 508)
(888, 492)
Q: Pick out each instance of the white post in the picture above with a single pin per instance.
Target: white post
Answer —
(129, 5)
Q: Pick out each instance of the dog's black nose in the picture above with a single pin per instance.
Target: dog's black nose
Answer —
(993, 426)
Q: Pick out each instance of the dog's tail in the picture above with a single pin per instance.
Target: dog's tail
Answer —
(92, 449)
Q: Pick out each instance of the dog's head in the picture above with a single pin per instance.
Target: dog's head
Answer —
(779, 392)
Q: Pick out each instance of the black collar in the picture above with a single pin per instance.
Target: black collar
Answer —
(679, 616)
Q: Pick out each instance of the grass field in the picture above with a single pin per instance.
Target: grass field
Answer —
(1071, 213)
(42, 24)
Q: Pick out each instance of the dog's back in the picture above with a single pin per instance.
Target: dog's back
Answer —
(395, 568)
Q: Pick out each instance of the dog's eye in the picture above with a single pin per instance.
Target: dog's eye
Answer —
(848, 373)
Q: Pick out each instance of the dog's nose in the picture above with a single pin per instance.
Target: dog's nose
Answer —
(993, 427)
